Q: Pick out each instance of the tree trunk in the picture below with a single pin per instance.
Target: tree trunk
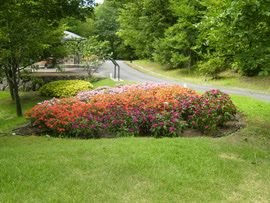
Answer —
(11, 88)
(16, 92)
(18, 101)
(189, 61)
(8, 74)
(112, 46)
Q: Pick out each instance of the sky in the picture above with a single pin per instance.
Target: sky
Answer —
(99, 1)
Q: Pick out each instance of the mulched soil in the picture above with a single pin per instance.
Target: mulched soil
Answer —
(226, 129)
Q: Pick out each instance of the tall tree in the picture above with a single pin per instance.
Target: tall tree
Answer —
(143, 22)
(29, 31)
(237, 31)
(178, 47)
(107, 26)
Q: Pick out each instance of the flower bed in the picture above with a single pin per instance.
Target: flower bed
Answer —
(142, 109)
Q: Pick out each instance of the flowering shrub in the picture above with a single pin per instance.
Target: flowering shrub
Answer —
(144, 109)
(65, 88)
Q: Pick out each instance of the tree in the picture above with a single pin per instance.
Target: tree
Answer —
(105, 22)
(29, 32)
(237, 32)
(143, 22)
(84, 28)
(178, 47)
(107, 26)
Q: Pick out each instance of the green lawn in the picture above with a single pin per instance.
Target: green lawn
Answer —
(234, 168)
(39, 169)
(8, 116)
(110, 83)
(227, 78)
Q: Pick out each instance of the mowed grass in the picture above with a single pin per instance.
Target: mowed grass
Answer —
(227, 78)
(233, 168)
(40, 169)
(110, 83)
(8, 116)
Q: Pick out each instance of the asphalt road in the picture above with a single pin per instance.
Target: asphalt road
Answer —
(130, 74)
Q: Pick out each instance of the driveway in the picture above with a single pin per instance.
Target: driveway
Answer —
(130, 74)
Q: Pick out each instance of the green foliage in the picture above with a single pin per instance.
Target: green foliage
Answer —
(92, 51)
(31, 31)
(182, 33)
(107, 26)
(83, 28)
(142, 23)
(65, 88)
(238, 31)
(212, 67)
(177, 48)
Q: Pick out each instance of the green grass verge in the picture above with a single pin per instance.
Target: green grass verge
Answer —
(257, 119)
(200, 169)
(227, 78)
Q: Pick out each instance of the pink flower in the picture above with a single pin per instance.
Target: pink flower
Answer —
(131, 130)
(105, 125)
(192, 122)
(171, 129)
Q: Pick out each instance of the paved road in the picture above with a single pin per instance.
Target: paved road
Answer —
(130, 74)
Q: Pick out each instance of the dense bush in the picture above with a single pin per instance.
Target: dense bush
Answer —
(65, 88)
(160, 110)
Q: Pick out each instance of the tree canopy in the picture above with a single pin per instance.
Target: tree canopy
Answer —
(204, 34)
(31, 31)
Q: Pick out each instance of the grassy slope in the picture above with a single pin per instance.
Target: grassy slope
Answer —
(229, 169)
(228, 78)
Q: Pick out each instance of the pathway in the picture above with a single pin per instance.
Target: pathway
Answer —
(130, 74)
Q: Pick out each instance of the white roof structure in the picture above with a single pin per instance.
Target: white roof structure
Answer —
(70, 36)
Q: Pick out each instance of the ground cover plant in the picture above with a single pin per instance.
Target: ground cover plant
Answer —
(139, 109)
